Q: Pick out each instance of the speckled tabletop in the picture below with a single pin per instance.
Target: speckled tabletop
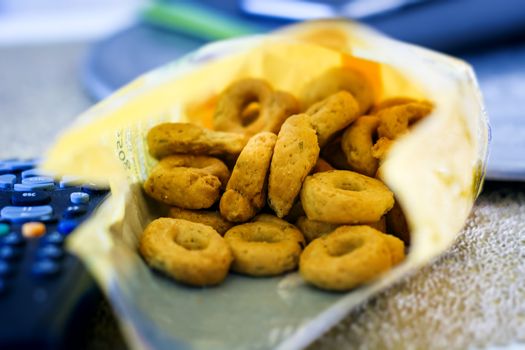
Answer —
(472, 296)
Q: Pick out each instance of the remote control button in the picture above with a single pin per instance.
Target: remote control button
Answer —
(4, 169)
(49, 186)
(79, 198)
(5, 269)
(50, 252)
(37, 180)
(30, 198)
(33, 229)
(67, 226)
(45, 268)
(70, 181)
(13, 239)
(53, 238)
(21, 214)
(95, 188)
(74, 210)
(9, 253)
(35, 172)
(18, 165)
(7, 181)
(4, 229)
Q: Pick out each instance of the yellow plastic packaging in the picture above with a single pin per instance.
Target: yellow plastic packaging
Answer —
(436, 173)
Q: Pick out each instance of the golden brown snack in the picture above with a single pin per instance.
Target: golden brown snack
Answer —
(357, 143)
(171, 138)
(313, 229)
(246, 190)
(391, 102)
(394, 121)
(266, 247)
(345, 197)
(335, 80)
(333, 114)
(189, 252)
(273, 107)
(345, 258)
(381, 148)
(397, 248)
(209, 218)
(190, 182)
(295, 154)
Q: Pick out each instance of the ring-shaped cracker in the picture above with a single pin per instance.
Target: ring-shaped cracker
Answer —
(189, 252)
(273, 107)
(335, 80)
(209, 218)
(268, 246)
(345, 258)
(333, 114)
(172, 138)
(186, 181)
(345, 197)
(246, 190)
(294, 156)
(357, 143)
(395, 120)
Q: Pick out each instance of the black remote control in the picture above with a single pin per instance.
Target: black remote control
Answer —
(41, 285)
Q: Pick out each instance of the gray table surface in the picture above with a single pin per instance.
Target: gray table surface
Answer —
(472, 296)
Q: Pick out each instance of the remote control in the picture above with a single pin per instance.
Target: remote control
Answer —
(42, 286)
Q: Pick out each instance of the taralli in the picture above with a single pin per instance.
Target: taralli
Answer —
(273, 107)
(345, 197)
(345, 258)
(246, 193)
(390, 102)
(313, 229)
(171, 138)
(209, 218)
(381, 148)
(357, 143)
(395, 120)
(333, 114)
(295, 154)
(186, 181)
(339, 79)
(266, 247)
(189, 252)
(397, 248)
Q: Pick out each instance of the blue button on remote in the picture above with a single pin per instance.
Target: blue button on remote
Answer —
(37, 180)
(5, 268)
(79, 198)
(7, 181)
(9, 252)
(65, 227)
(48, 186)
(21, 214)
(45, 268)
(50, 251)
(30, 198)
(13, 239)
(53, 238)
(18, 165)
(34, 172)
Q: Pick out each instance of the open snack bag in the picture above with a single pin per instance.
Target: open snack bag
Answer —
(435, 171)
